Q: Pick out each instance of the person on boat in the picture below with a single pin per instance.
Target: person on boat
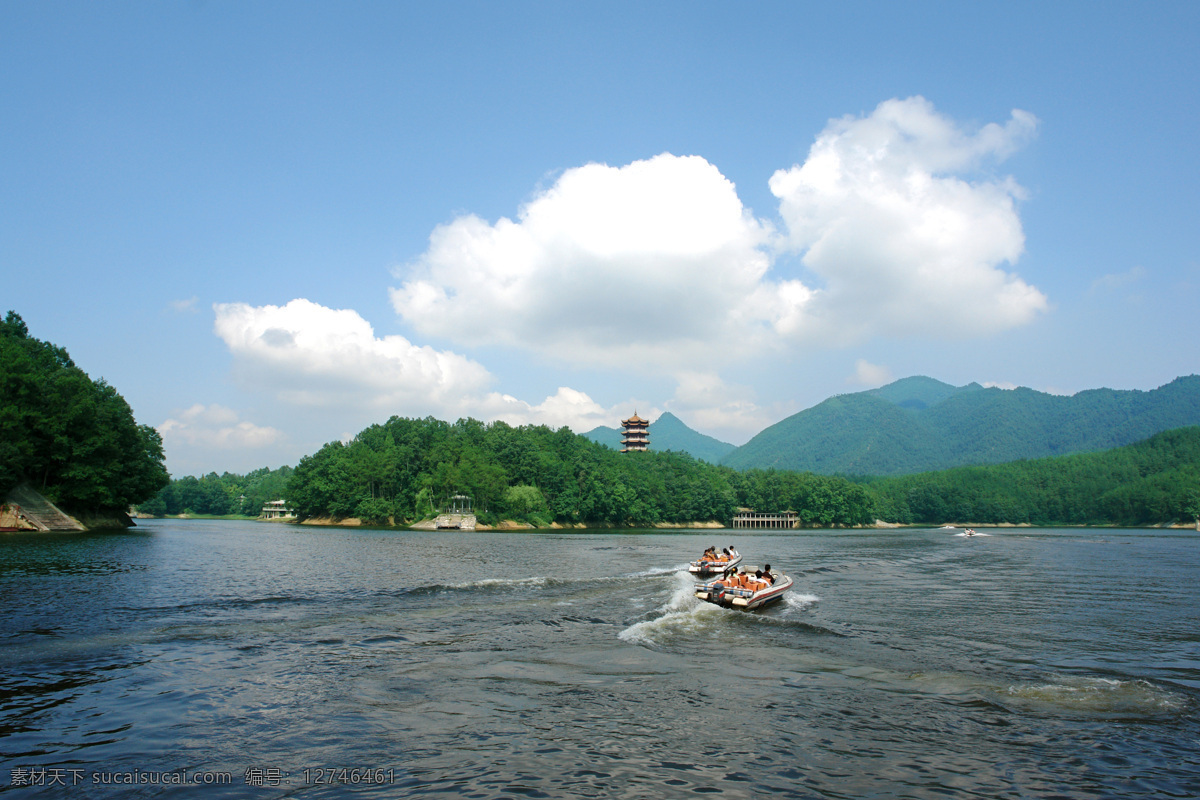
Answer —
(732, 551)
(767, 576)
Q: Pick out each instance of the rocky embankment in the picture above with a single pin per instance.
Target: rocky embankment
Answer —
(25, 509)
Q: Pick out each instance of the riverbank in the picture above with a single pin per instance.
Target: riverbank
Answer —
(510, 525)
(881, 525)
(514, 525)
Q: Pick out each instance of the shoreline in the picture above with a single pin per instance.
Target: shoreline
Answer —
(514, 525)
(880, 525)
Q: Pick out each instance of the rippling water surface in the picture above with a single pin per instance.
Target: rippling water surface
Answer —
(919, 664)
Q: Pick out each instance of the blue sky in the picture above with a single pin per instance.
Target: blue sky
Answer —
(270, 225)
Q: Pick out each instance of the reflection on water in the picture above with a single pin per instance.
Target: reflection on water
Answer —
(902, 664)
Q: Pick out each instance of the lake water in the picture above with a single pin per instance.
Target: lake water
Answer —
(193, 658)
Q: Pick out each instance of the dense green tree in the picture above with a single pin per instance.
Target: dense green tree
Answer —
(73, 438)
(405, 469)
(1150, 482)
(220, 494)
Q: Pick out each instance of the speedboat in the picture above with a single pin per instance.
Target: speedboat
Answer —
(746, 599)
(714, 566)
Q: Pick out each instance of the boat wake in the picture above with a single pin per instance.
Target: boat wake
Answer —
(489, 583)
(656, 571)
(1093, 697)
(800, 601)
(682, 614)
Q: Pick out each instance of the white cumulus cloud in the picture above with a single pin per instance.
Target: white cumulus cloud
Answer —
(894, 226)
(312, 355)
(635, 266)
(566, 407)
(215, 426)
(656, 266)
(904, 239)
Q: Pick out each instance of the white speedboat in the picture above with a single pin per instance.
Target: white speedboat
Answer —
(714, 566)
(720, 594)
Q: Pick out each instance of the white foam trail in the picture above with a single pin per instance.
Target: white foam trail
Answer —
(693, 622)
(660, 571)
(1102, 697)
(972, 535)
(539, 581)
(682, 614)
(794, 600)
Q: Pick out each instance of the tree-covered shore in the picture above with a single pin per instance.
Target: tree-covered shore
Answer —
(70, 438)
(225, 495)
(1152, 482)
(406, 470)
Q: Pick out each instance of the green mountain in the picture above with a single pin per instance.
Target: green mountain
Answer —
(920, 424)
(669, 433)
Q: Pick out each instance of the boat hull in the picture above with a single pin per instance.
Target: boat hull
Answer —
(744, 599)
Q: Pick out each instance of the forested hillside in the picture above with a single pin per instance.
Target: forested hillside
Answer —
(669, 432)
(919, 424)
(1152, 482)
(71, 438)
(406, 469)
(219, 495)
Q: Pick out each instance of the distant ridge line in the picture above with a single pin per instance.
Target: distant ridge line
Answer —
(920, 424)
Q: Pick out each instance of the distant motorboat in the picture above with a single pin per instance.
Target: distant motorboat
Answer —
(715, 566)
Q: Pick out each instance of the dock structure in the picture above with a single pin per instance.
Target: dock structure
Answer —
(748, 518)
(636, 434)
(455, 522)
(458, 515)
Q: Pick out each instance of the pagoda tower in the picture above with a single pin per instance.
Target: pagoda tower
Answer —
(636, 435)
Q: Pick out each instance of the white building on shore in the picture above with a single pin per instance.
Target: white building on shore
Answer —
(277, 509)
